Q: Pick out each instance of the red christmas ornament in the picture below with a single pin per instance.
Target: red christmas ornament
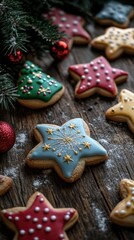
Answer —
(7, 136)
(15, 58)
(59, 50)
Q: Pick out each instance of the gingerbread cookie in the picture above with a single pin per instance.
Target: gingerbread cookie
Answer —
(123, 213)
(71, 25)
(37, 89)
(115, 42)
(124, 110)
(5, 184)
(115, 14)
(67, 149)
(39, 220)
(97, 77)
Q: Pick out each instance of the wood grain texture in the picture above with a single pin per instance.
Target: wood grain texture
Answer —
(96, 193)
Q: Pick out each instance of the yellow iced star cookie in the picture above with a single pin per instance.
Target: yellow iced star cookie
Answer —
(124, 110)
(123, 213)
(115, 42)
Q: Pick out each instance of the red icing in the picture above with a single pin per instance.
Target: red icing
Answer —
(70, 24)
(38, 227)
(97, 73)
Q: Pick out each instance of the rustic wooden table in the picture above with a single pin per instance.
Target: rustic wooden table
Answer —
(96, 193)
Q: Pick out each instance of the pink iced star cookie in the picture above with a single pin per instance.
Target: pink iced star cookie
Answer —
(39, 220)
(115, 42)
(71, 25)
(97, 77)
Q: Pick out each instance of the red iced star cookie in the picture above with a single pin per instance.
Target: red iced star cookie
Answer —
(71, 25)
(97, 77)
(39, 220)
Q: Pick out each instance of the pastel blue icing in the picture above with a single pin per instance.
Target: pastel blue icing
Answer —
(67, 168)
(115, 11)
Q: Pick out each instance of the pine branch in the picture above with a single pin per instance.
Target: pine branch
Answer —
(8, 91)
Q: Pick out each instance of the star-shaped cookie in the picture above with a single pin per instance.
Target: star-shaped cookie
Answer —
(124, 110)
(71, 25)
(123, 213)
(115, 42)
(97, 77)
(67, 149)
(39, 220)
(115, 14)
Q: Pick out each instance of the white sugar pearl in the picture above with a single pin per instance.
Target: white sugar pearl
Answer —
(68, 26)
(122, 212)
(108, 78)
(83, 77)
(97, 74)
(67, 217)
(16, 218)
(39, 226)
(113, 71)
(41, 200)
(28, 217)
(75, 30)
(61, 235)
(85, 66)
(86, 70)
(92, 63)
(37, 209)
(31, 230)
(106, 72)
(116, 212)
(75, 22)
(132, 199)
(47, 229)
(22, 232)
(88, 84)
(98, 80)
(95, 68)
(102, 66)
(36, 238)
(63, 19)
(10, 217)
(128, 204)
(121, 107)
(35, 219)
(53, 217)
(89, 78)
(45, 219)
(109, 86)
(46, 210)
(60, 25)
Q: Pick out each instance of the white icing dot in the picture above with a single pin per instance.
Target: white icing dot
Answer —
(68, 26)
(47, 229)
(97, 74)
(28, 217)
(61, 235)
(89, 78)
(88, 84)
(83, 77)
(85, 66)
(46, 210)
(22, 232)
(36, 238)
(75, 30)
(63, 19)
(10, 217)
(108, 78)
(102, 66)
(60, 25)
(113, 70)
(132, 189)
(125, 99)
(121, 107)
(37, 209)
(53, 217)
(35, 219)
(116, 212)
(39, 226)
(75, 22)
(31, 230)
(95, 68)
(92, 63)
(132, 199)
(122, 212)
(109, 86)
(98, 81)
(41, 200)
(106, 72)
(16, 218)
(99, 61)
(67, 217)
(45, 219)
(128, 204)
(86, 70)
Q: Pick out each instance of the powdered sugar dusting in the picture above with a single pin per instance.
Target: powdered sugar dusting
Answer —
(100, 218)
(12, 172)
(39, 182)
(21, 141)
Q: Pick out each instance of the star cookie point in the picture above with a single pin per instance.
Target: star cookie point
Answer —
(39, 220)
(68, 149)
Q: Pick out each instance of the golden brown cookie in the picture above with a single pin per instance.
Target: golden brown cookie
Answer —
(5, 184)
(124, 110)
(115, 42)
(123, 213)
(39, 220)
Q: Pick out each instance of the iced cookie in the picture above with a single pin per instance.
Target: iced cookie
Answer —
(123, 213)
(37, 89)
(67, 149)
(115, 14)
(124, 110)
(39, 220)
(115, 42)
(71, 25)
(5, 184)
(96, 77)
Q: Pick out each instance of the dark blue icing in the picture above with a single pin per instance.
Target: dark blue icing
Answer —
(115, 11)
(66, 140)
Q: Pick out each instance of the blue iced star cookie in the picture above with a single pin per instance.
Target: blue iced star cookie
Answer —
(67, 149)
(115, 14)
